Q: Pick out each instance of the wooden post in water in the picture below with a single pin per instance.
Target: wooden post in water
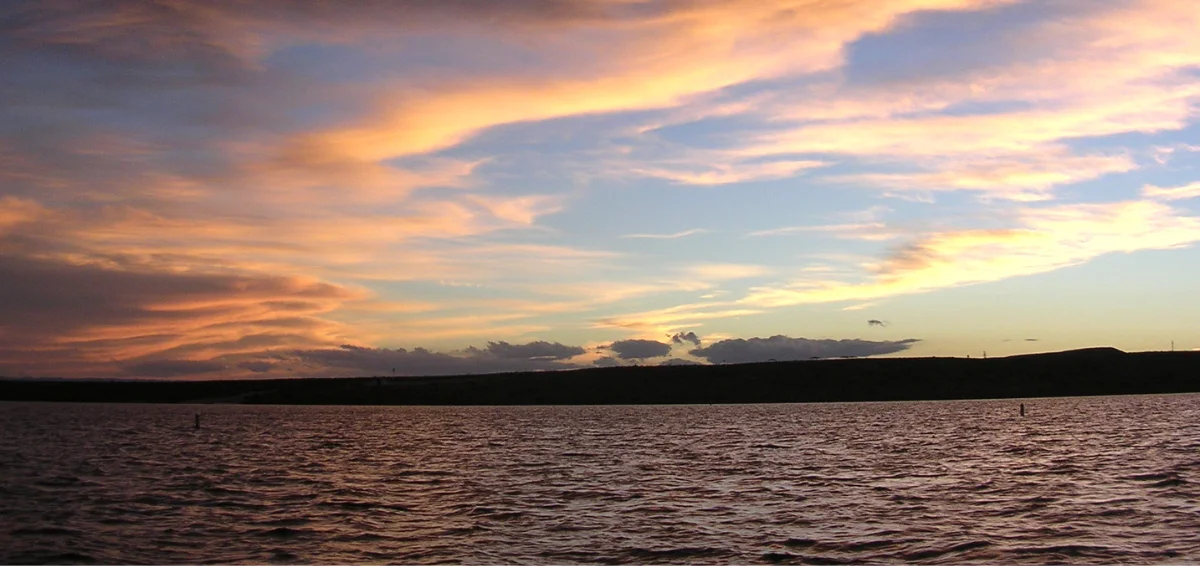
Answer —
(197, 420)
(1022, 409)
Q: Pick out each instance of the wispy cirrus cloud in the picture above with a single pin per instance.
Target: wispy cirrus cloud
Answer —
(1043, 240)
(1190, 190)
(864, 231)
(700, 173)
(671, 236)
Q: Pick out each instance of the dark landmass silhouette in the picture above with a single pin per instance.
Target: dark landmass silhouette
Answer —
(1093, 371)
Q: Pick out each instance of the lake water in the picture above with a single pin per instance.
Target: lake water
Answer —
(1100, 479)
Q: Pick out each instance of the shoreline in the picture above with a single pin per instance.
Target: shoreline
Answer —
(1095, 371)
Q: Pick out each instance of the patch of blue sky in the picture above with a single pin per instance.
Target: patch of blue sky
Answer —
(942, 44)
(1114, 187)
(718, 132)
(773, 87)
(612, 209)
(977, 108)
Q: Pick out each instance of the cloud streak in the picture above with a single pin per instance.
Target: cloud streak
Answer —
(671, 236)
(1188, 191)
(784, 348)
(151, 317)
(1045, 239)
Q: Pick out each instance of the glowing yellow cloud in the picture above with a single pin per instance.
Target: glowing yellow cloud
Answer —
(1190, 190)
(725, 271)
(1047, 239)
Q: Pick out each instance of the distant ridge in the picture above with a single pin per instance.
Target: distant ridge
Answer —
(1090, 371)
(1081, 352)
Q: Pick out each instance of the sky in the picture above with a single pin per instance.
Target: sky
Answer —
(219, 189)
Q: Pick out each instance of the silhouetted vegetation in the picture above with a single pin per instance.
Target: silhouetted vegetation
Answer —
(1100, 371)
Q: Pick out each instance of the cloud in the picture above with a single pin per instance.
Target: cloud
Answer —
(672, 236)
(359, 361)
(80, 319)
(675, 319)
(1005, 122)
(607, 362)
(784, 348)
(726, 174)
(1190, 190)
(656, 58)
(681, 337)
(725, 271)
(637, 349)
(873, 231)
(678, 362)
(1016, 177)
(174, 368)
(540, 350)
(1045, 239)
(276, 152)
(257, 367)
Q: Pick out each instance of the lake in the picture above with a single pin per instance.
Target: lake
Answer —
(1090, 479)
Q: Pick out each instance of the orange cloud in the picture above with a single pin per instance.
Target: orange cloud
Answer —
(116, 315)
(654, 323)
(643, 63)
(16, 211)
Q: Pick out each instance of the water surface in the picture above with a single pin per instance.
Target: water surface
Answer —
(1099, 479)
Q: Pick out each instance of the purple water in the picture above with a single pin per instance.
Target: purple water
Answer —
(1086, 480)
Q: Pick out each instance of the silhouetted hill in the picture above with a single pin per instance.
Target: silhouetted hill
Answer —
(1094, 371)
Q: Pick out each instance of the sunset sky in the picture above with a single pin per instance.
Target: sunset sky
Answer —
(219, 188)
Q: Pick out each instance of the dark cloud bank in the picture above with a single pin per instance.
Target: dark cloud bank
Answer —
(496, 357)
(639, 349)
(783, 348)
(349, 360)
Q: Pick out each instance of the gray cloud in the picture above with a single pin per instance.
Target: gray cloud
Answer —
(640, 349)
(257, 367)
(681, 337)
(786, 348)
(358, 360)
(206, 34)
(173, 368)
(539, 350)
(679, 362)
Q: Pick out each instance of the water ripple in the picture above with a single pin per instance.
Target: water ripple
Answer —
(1085, 480)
